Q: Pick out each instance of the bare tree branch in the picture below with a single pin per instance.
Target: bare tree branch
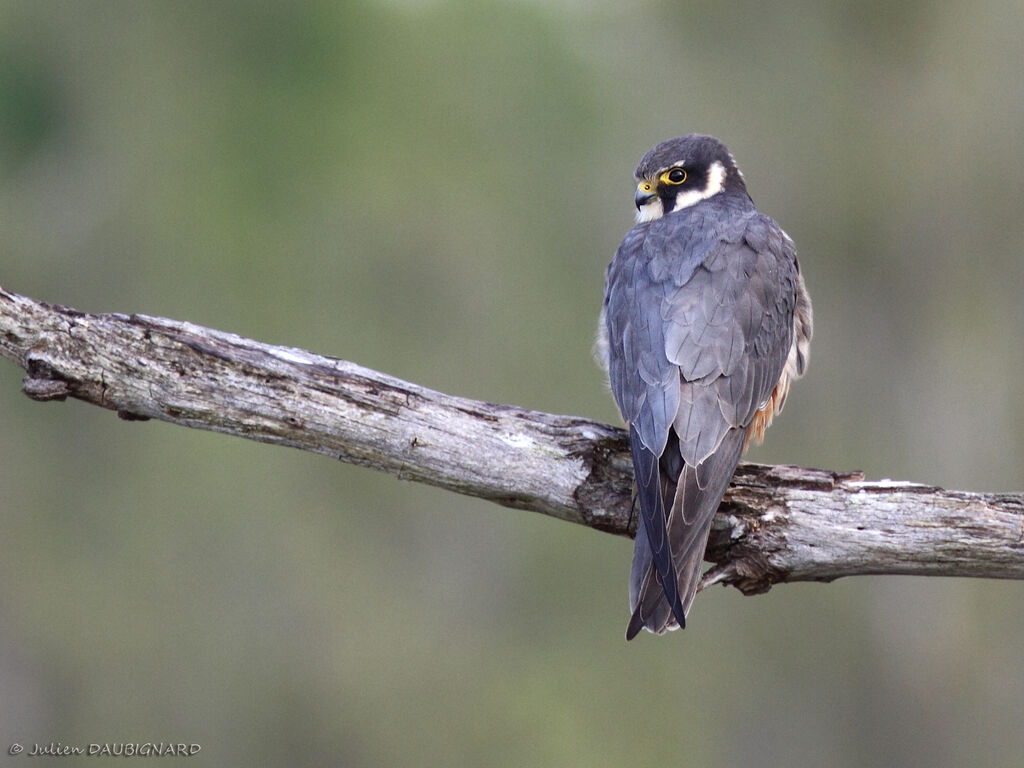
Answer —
(777, 523)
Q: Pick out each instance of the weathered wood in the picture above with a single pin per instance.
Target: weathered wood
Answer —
(777, 523)
(784, 523)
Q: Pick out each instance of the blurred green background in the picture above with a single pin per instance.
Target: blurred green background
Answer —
(434, 189)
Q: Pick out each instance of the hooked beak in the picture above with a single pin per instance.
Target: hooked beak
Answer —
(644, 194)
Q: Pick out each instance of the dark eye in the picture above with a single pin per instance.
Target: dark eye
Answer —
(674, 176)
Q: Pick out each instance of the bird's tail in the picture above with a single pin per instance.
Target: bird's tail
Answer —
(692, 496)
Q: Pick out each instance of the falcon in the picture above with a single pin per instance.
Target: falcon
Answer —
(706, 322)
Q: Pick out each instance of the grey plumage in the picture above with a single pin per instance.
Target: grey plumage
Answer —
(706, 321)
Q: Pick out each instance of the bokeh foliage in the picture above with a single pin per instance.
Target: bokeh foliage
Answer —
(433, 189)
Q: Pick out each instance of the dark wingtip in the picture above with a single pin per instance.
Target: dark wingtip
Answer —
(635, 625)
(648, 487)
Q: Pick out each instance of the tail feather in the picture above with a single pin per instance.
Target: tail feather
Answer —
(652, 493)
(695, 495)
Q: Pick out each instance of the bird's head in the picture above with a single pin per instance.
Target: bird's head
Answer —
(681, 172)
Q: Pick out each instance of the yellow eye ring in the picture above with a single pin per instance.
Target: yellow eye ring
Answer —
(673, 176)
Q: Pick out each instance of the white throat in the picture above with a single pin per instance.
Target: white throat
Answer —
(650, 211)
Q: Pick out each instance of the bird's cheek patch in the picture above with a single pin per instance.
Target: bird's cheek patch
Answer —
(715, 184)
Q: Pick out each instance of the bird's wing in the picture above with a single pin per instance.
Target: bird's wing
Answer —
(645, 384)
(725, 332)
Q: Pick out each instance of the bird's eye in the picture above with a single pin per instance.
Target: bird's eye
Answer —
(674, 176)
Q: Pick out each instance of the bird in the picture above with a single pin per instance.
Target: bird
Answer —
(705, 323)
